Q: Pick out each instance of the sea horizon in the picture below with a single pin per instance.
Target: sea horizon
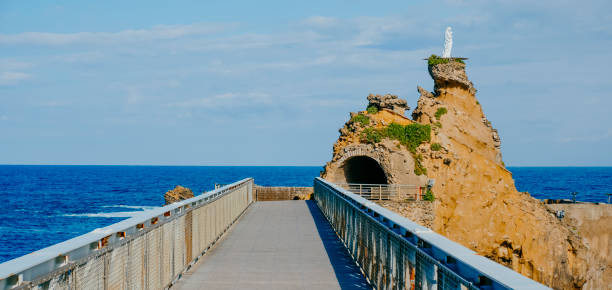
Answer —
(47, 204)
(280, 165)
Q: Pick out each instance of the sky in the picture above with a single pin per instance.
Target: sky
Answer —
(271, 82)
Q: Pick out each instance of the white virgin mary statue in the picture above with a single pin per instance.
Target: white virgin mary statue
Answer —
(448, 42)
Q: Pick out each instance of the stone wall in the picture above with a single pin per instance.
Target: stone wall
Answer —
(421, 212)
(269, 193)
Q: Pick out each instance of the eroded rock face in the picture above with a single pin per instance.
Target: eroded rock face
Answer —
(391, 102)
(477, 202)
(177, 194)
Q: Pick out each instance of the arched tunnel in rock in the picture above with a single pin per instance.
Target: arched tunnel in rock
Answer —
(363, 169)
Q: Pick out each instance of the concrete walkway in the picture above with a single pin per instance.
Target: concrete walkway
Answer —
(277, 245)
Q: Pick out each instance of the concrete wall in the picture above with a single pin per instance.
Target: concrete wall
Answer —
(268, 193)
(594, 224)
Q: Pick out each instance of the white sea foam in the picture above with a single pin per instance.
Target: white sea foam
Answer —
(116, 214)
(142, 207)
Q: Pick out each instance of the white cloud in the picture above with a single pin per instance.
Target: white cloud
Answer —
(81, 57)
(318, 68)
(52, 103)
(582, 138)
(321, 21)
(13, 64)
(159, 32)
(226, 100)
(145, 92)
(298, 64)
(12, 78)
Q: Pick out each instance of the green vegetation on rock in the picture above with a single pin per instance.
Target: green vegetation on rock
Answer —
(435, 147)
(419, 169)
(371, 135)
(434, 60)
(362, 119)
(440, 112)
(411, 135)
(372, 109)
(429, 195)
(438, 124)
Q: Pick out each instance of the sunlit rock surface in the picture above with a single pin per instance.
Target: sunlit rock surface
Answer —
(477, 203)
(177, 194)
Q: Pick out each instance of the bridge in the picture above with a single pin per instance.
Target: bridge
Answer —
(226, 239)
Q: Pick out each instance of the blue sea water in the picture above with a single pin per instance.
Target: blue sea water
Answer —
(591, 183)
(44, 205)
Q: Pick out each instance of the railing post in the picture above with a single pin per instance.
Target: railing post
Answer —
(379, 192)
(431, 274)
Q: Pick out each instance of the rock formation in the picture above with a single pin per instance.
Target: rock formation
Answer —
(391, 102)
(477, 203)
(177, 194)
(361, 146)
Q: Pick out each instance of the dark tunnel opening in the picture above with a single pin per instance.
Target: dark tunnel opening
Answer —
(363, 169)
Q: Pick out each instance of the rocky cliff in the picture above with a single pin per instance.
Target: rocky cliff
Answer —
(476, 202)
(364, 145)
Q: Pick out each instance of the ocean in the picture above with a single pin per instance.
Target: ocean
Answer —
(44, 205)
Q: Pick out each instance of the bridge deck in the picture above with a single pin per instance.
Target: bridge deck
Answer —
(277, 245)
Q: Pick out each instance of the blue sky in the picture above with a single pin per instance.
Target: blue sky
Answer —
(271, 82)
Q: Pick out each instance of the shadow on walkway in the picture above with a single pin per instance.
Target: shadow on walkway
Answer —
(347, 272)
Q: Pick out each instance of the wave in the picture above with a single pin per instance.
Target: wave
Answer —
(117, 214)
(141, 207)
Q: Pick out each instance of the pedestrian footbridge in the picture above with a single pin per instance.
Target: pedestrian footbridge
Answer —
(225, 239)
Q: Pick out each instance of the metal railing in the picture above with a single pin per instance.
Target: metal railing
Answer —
(384, 191)
(148, 251)
(396, 253)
